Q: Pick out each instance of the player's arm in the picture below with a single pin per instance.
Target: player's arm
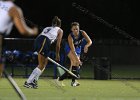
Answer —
(58, 44)
(89, 41)
(18, 19)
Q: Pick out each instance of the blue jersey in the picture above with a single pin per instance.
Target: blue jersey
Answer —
(77, 43)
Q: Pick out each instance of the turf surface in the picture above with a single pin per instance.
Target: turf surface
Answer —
(88, 90)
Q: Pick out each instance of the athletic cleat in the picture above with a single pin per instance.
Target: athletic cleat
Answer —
(30, 85)
(35, 83)
(62, 84)
(27, 85)
(59, 83)
(74, 84)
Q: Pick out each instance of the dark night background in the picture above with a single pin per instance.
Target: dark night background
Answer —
(122, 13)
(122, 53)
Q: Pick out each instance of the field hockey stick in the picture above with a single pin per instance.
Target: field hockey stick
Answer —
(14, 85)
(51, 60)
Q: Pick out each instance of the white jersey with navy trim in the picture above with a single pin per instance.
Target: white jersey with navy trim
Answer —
(51, 33)
(6, 22)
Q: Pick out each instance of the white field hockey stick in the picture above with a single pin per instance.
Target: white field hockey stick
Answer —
(10, 79)
(14, 85)
(51, 60)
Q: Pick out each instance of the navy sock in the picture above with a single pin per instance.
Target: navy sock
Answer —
(64, 76)
(75, 70)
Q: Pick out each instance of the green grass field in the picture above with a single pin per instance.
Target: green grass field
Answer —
(88, 90)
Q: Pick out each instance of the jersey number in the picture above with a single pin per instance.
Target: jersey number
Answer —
(46, 31)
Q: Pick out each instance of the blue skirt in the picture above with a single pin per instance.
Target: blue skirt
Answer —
(77, 49)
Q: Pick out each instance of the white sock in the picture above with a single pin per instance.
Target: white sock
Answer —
(36, 73)
(37, 77)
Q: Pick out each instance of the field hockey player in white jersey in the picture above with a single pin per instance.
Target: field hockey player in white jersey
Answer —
(42, 46)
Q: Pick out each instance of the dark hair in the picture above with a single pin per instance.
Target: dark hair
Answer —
(75, 24)
(56, 22)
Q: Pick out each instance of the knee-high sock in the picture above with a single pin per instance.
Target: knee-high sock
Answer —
(61, 78)
(75, 70)
(36, 73)
(78, 72)
(37, 77)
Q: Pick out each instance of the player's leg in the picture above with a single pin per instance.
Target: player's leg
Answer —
(74, 68)
(77, 68)
(64, 76)
(78, 74)
(42, 45)
(43, 61)
(33, 78)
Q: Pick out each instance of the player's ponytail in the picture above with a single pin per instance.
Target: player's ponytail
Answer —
(56, 22)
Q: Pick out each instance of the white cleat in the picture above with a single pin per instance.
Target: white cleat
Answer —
(59, 83)
(62, 84)
(74, 84)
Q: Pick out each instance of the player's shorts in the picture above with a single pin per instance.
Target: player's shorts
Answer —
(77, 49)
(42, 45)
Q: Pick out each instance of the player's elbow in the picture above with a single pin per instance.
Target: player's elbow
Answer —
(90, 42)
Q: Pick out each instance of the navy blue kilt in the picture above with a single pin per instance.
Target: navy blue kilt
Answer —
(42, 45)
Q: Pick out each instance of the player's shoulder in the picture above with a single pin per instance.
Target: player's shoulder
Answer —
(60, 30)
(57, 28)
(16, 8)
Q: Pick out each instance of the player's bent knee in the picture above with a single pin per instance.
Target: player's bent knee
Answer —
(76, 63)
(41, 67)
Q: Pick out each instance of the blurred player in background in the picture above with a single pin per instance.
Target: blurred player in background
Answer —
(73, 50)
(11, 14)
(42, 46)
